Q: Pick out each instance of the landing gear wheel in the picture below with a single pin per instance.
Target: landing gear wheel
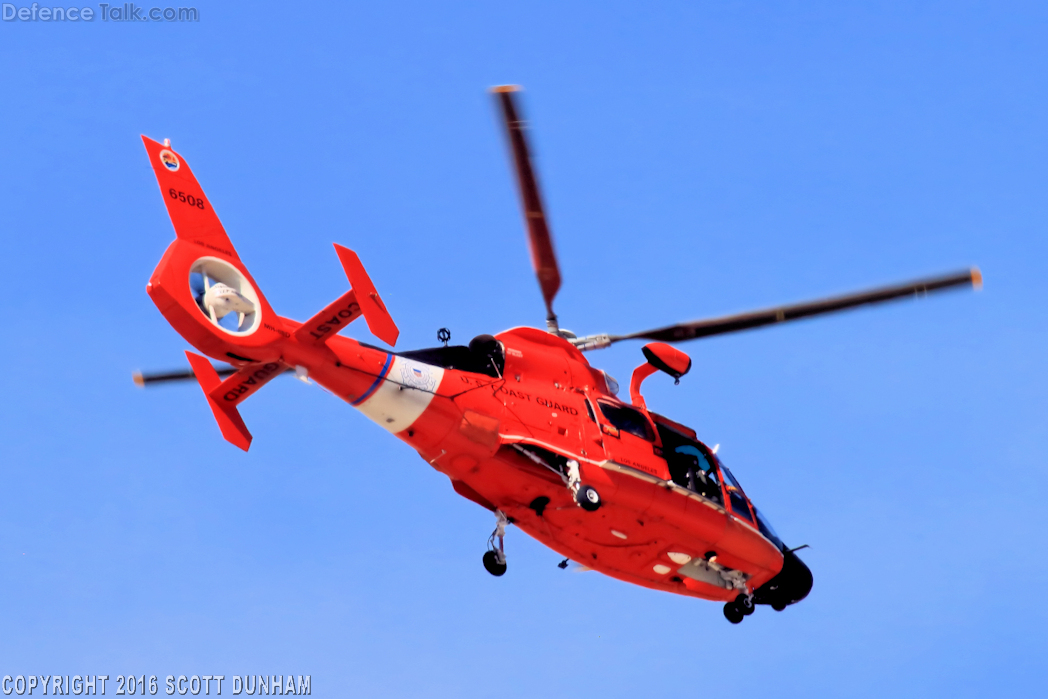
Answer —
(778, 605)
(733, 613)
(745, 604)
(493, 565)
(495, 557)
(588, 498)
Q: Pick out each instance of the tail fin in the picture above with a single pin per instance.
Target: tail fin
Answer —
(191, 213)
(201, 279)
(204, 290)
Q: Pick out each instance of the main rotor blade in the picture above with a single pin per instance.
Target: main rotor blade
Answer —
(151, 379)
(782, 314)
(543, 259)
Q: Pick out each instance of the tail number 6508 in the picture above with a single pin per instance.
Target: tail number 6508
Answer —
(186, 198)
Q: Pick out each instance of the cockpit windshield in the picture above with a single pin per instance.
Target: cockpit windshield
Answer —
(766, 529)
(739, 506)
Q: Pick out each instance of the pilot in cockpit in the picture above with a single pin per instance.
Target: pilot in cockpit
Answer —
(702, 476)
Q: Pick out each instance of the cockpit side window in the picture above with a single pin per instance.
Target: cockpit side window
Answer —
(700, 474)
(690, 463)
(627, 420)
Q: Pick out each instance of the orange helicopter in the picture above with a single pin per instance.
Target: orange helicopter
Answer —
(520, 422)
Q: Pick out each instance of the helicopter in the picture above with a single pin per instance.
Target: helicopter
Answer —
(520, 422)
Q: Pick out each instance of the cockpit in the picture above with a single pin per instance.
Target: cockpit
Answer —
(695, 467)
(696, 470)
(692, 465)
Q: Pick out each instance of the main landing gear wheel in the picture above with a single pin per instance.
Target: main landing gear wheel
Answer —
(495, 557)
(778, 605)
(745, 604)
(732, 613)
(588, 498)
(493, 565)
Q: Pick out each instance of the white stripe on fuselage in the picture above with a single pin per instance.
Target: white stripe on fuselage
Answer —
(404, 395)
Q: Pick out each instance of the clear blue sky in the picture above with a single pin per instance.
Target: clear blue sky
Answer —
(697, 159)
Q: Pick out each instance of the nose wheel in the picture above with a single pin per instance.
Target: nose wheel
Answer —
(739, 609)
(733, 613)
(495, 557)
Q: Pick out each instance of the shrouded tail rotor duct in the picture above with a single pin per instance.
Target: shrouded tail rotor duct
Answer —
(224, 296)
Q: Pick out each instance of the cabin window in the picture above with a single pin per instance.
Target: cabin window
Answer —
(628, 420)
(589, 409)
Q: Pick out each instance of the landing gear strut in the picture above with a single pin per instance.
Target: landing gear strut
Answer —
(495, 557)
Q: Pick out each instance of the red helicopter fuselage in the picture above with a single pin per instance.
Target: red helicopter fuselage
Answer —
(504, 421)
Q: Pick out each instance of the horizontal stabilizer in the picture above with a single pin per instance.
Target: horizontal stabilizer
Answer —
(378, 319)
(228, 418)
(330, 321)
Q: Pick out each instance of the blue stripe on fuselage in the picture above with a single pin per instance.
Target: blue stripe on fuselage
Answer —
(379, 380)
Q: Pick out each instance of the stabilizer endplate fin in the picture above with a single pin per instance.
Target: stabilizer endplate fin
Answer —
(377, 317)
(243, 384)
(330, 321)
(229, 421)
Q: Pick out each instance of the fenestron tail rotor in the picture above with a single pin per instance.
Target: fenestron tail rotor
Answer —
(543, 259)
(694, 330)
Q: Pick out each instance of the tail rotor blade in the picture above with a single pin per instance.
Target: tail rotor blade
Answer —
(158, 377)
(543, 258)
